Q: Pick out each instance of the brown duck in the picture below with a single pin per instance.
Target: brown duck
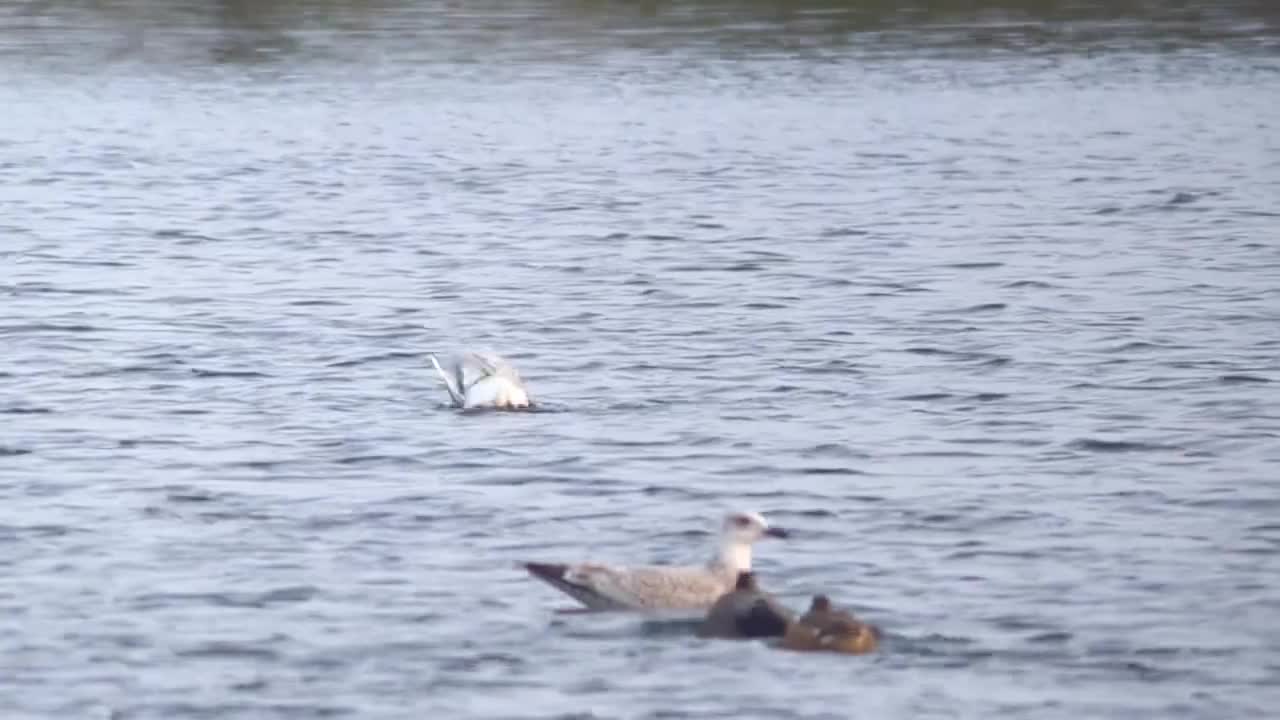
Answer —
(823, 629)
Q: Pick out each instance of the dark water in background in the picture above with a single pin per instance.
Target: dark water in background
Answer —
(984, 305)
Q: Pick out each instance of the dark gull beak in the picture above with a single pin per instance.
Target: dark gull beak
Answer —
(777, 532)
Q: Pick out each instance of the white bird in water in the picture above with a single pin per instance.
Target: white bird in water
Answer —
(660, 587)
(483, 380)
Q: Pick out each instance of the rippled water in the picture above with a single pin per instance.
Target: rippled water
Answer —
(983, 306)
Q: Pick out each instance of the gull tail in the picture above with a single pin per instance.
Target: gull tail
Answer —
(556, 575)
(455, 393)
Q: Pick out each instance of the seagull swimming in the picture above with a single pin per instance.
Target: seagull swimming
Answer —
(483, 380)
(663, 587)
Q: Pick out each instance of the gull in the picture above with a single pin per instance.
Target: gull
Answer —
(746, 612)
(663, 587)
(483, 380)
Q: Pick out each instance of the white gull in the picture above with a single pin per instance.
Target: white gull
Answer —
(663, 587)
(483, 380)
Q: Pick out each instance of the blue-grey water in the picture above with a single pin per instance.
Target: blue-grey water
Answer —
(983, 305)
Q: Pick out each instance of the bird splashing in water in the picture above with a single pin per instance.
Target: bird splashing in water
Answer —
(483, 380)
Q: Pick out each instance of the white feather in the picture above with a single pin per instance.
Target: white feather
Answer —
(483, 380)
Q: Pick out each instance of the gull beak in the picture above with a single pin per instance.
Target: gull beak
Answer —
(777, 532)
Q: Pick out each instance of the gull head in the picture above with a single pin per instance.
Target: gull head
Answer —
(745, 528)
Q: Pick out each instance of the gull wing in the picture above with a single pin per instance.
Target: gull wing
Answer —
(491, 365)
(452, 384)
(657, 587)
(602, 587)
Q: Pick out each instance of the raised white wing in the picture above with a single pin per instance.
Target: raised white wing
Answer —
(482, 380)
(479, 365)
(450, 383)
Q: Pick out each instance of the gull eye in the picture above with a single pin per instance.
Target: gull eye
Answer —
(742, 521)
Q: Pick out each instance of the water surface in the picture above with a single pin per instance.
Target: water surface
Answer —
(982, 305)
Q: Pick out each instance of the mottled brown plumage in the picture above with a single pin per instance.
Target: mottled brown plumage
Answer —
(601, 587)
(822, 629)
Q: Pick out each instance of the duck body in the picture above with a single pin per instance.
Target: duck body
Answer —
(824, 629)
(746, 612)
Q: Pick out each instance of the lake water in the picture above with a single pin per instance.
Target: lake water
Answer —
(984, 306)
